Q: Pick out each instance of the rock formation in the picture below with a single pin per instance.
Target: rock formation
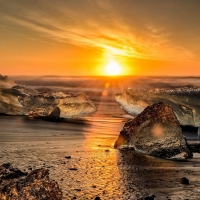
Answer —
(17, 185)
(156, 132)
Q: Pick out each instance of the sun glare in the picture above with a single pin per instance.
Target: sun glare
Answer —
(113, 68)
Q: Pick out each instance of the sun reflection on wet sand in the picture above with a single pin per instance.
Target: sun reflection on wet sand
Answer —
(100, 138)
(102, 132)
(101, 170)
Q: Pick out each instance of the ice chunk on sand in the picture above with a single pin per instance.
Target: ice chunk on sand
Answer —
(184, 102)
(76, 106)
(9, 94)
(155, 131)
(9, 103)
(58, 106)
(5, 82)
(19, 100)
(40, 104)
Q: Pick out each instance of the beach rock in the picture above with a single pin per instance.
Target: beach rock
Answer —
(156, 132)
(73, 168)
(8, 172)
(185, 181)
(183, 100)
(148, 198)
(17, 185)
(68, 157)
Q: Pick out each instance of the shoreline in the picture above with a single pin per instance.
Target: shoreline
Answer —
(102, 171)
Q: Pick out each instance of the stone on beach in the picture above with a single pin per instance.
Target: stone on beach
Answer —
(17, 185)
(155, 131)
(185, 181)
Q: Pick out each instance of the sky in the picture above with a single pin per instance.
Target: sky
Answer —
(81, 37)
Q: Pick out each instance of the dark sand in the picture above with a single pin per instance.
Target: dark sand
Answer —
(99, 170)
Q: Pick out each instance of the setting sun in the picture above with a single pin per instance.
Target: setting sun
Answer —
(113, 68)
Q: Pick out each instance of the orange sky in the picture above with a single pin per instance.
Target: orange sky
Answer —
(148, 37)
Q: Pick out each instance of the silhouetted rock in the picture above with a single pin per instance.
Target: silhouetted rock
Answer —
(68, 157)
(155, 131)
(73, 169)
(14, 184)
(148, 198)
(185, 181)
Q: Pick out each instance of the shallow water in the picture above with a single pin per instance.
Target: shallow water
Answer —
(101, 170)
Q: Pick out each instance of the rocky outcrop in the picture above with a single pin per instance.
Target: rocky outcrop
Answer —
(155, 131)
(17, 185)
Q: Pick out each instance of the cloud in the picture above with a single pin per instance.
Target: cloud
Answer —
(94, 24)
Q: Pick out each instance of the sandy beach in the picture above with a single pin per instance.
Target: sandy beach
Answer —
(95, 168)
(72, 75)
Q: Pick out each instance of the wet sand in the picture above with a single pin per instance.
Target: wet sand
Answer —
(95, 168)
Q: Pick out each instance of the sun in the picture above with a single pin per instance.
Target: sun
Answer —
(113, 68)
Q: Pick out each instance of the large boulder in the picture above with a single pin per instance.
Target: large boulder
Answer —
(184, 101)
(15, 184)
(155, 131)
